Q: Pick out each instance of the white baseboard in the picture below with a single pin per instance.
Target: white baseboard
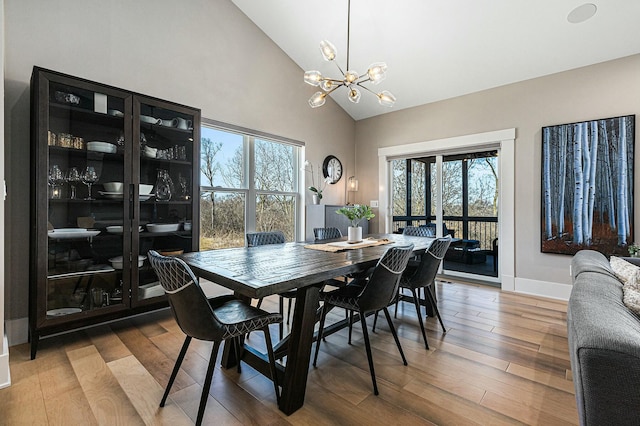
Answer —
(17, 331)
(5, 373)
(543, 288)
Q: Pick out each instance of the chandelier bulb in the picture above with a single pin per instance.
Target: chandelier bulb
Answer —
(313, 77)
(354, 95)
(328, 50)
(377, 72)
(351, 77)
(386, 98)
(317, 100)
(326, 85)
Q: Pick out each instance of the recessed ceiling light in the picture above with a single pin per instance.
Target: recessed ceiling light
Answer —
(582, 13)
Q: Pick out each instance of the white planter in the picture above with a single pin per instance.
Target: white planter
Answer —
(316, 199)
(355, 233)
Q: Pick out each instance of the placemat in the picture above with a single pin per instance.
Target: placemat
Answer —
(343, 245)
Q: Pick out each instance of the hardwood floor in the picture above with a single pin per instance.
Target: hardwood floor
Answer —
(503, 360)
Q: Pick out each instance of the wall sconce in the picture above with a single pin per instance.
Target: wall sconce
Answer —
(352, 186)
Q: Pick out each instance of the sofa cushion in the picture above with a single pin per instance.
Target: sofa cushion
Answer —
(627, 273)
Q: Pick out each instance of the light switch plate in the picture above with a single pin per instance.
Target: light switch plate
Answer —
(374, 203)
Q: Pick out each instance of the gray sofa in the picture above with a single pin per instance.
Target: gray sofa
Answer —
(604, 344)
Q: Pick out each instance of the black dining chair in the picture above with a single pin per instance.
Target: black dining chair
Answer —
(419, 231)
(265, 238)
(369, 295)
(422, 276)
(218, 319)
(321, 234)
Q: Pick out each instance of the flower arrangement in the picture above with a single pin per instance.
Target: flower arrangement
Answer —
(316, 189)
(634, 250)
(356, 213)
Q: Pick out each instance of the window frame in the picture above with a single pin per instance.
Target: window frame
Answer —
(248, 187)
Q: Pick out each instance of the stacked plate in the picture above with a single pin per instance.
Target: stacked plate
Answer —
(106, 147)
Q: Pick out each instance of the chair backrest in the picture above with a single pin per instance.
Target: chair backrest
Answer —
(445, 231)
(420, 231)
(188, 302)
(326, 233)
(426, 271)
(264, 238)
(382, 286)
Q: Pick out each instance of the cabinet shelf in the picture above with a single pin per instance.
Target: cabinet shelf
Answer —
(56, 279)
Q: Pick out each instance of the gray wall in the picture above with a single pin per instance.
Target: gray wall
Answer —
(203, 53)
(604, 90)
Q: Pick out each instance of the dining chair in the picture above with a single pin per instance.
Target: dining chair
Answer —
(422, 276)
(419, 231)
(321, 234)
(373, 294)
(218, 319)
(265, 238)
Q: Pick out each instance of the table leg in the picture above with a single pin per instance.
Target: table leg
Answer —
(300, 344)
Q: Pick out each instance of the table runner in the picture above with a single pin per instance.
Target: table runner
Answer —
(343, 245)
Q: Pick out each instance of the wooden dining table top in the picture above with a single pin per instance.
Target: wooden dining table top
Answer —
(261, 271)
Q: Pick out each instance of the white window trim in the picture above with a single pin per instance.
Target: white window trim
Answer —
(504, 141)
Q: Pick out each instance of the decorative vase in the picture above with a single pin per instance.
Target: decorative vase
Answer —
(354, 234)
(316, 199)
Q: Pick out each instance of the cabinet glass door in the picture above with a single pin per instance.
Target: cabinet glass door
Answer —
(87, 212)
(165, 172)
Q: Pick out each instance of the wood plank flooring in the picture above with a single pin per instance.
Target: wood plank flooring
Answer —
(504, 360)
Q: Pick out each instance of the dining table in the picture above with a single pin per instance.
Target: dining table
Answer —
(261, 271)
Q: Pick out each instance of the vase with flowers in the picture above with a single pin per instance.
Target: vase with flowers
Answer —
(322, 183)
(356, 214)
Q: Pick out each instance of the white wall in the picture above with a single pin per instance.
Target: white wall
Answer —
(202, 53)
(604, 90)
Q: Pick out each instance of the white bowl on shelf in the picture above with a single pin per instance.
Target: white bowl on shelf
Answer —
(163, 227)
(113, 187)
(105, 147)
(145, 189)
(117, 262)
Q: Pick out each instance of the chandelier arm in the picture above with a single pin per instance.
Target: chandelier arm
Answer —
(360, 79)
(339, 68)
(366, 88)
(332, 90)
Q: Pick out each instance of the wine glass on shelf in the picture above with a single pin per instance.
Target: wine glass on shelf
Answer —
(73, 177)
(89, 177)
(56, 178)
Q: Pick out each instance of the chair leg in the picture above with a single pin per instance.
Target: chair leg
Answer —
(280, 324)
(367, 346)
(176, 368)
(289, 310)
(395, 314)
(323, 316)
(272, 362)
(350, 325)
(395, 335)
(375, 321)
(416, 302)
(432, 300)
(207, 382)
(238, 350)
(259, 302)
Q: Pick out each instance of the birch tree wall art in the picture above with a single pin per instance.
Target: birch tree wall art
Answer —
(587, 186)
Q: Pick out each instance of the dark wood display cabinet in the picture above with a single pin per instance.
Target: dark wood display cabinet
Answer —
(114, 174)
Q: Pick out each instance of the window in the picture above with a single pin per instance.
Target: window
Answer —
(248, 183)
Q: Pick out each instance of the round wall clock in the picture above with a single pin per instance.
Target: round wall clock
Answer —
(332, 168)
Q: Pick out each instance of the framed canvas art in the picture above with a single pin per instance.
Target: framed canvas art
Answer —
(587, 186)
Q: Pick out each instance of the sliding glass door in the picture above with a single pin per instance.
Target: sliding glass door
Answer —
(467, 190)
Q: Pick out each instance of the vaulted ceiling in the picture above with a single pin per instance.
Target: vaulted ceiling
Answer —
(439, 49)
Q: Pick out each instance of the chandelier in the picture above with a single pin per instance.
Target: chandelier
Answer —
(350, 79)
